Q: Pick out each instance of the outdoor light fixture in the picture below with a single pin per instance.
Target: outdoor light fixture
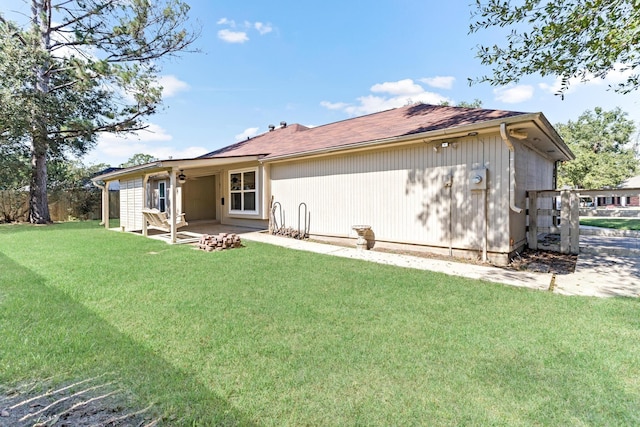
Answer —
(182, 178)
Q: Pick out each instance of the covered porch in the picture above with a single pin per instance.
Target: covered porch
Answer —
(171, 188)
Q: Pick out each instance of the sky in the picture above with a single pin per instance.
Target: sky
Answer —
(264, 62)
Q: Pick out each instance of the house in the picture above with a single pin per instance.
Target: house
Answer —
(624, 201)
(450, 180)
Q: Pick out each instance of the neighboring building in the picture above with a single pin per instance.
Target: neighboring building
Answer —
(433, 177)
(634, 201)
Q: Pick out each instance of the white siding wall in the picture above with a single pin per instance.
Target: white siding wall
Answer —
(131, 204)
(401, 193)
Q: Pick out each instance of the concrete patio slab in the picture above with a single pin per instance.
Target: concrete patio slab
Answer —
(594, 276)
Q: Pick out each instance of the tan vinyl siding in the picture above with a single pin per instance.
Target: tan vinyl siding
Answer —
(131, 200)
(533, 172)
(200, 199)
(401, 193)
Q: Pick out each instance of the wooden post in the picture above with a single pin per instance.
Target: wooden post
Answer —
(575, 222)
(145, 203)
(172, 183)
(565, 221)
(533, 220)
(105, 205)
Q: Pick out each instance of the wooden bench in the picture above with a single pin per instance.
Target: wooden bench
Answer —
(160, 221)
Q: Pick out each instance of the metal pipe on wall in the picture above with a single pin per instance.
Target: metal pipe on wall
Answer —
(512, 168)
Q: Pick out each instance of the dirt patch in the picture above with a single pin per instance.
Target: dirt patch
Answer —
(529, 260)
(544, 262)
(83, 403)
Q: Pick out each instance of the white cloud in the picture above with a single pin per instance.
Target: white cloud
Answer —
(334, 105)
(81, 51)
(401, 87)
(513, 94)
(263, 28)
(230, 36)
(403, 92)
(116, 149)
(171, 85)
(233, 36)
(225, 21)
(247, 133)
(439, 82)
(165, 152)
(618, 75)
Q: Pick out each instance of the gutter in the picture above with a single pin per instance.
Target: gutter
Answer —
(127, 171)
(512, 168)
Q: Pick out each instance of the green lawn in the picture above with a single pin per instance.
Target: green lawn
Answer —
(617, 223)
(263, 335)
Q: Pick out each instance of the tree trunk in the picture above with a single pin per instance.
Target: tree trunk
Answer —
(38, 199)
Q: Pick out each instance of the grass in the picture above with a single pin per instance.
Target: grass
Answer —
(617, 223)
(263, 335)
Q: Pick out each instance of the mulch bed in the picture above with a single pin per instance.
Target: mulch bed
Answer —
(544, 262)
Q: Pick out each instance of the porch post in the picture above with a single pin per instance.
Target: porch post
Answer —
(145, 203)
(105, 205)
(174, 193)
(575, 222)
(565, 221)
(533, 220)
(104, 209)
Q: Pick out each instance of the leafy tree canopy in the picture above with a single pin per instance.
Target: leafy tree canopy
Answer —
(78, 68)
(14, 168)
(138, 159)
(572, 39)
(605, 154)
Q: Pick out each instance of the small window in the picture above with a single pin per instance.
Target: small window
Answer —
(243, 191)
(162, 196)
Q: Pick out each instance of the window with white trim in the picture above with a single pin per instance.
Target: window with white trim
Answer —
(243, 191)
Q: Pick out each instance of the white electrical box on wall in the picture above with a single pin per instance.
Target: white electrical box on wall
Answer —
(478, 179)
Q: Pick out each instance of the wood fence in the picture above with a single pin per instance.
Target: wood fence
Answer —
(63, 206)
(553, 216)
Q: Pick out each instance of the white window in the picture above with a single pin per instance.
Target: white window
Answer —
(243, 193)
(162, 196)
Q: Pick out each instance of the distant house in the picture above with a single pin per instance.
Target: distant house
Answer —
(450, 180)
(633, 182)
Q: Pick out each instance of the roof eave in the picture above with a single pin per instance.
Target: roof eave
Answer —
(451, 132)
(174, 164)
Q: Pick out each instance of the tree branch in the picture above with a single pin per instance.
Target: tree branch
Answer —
(77, 19)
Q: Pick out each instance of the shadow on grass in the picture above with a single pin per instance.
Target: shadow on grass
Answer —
(46, 334)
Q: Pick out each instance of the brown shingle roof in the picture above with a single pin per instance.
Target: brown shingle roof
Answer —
(383, 125)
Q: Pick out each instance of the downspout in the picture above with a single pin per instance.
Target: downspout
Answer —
(485, 237)
(105, 203)
(512, 168)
